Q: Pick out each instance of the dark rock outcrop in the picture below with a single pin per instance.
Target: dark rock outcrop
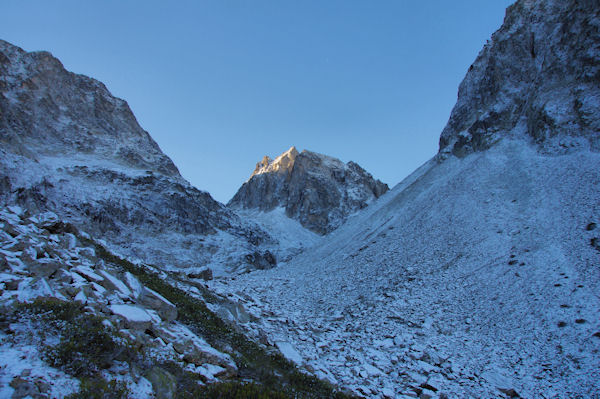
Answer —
(538, 77)
(261, 261)
(318, 191)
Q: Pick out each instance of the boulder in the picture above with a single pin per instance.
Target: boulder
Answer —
(388, 393)
(164, 384)
(88, 274)
(133, 283)
(134, 316)
(112, 283)
(261, 261)
(203, 274)
(234, 312)
(44, 267)
(24, 389)
(12, 285)
(166, 310)
(3, 263)
(88, 252)
(194, 349)
(502, 383)
(289, 352)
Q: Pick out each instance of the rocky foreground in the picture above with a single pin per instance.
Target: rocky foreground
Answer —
(75, 318)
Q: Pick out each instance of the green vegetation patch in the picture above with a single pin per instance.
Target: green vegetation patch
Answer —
(236, 390)
(99, 388)
(85, 345)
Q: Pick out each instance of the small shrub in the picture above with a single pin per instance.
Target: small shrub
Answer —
(99, 388)
(233, 390)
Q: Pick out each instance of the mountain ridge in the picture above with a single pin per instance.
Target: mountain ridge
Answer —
(45, 85)
(70, 147)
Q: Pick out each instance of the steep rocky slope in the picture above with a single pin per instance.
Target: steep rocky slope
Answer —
(42, 257)
(457, 281)
(538, 77)
(317, 190)
(69, 146)
(77, 319)
(477, 276)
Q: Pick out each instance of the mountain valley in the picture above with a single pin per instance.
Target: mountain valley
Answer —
(476, 276)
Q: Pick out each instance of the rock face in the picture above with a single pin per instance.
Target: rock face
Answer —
(538, 77)
(317, 190)
(48, 111)
(67, 145)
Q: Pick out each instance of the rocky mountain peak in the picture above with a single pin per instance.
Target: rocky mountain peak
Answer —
(282, 164)
(538, 77)
(317, 190)
(49, 111)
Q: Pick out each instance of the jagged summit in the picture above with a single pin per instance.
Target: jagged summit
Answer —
(282, 164)
(538, 77)
(317, 190)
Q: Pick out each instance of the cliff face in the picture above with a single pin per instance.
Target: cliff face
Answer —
(49, 111)
(538, 77)
(318, 191)
(68, 146)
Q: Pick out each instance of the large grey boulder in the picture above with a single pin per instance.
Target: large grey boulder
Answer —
(133, 316)
(164, 384)
(165, 309)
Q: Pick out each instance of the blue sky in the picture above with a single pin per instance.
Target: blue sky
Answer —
(218, 84)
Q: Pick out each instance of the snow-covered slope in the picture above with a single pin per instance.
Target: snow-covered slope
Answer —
(317, 190)
(67, 145)
(464, 281)
(291, 236)
(478, 276)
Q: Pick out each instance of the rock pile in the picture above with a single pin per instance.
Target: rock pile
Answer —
(42, 257)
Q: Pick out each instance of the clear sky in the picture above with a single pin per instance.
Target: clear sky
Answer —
(218, 84)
